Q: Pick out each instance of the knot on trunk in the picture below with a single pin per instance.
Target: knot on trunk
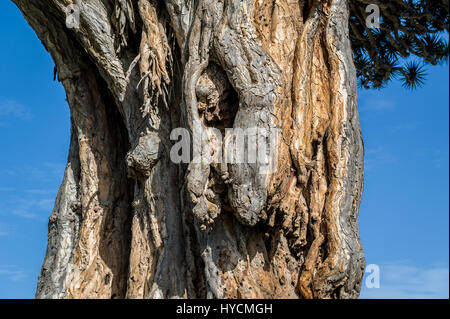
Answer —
(144, 155)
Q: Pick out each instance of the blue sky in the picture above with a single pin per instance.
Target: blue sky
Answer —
(403, 217)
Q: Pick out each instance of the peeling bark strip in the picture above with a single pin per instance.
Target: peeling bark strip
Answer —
(129, 223)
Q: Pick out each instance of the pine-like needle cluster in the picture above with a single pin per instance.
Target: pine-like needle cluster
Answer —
(412, 33)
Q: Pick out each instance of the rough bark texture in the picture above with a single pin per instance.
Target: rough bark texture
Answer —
(129, 223)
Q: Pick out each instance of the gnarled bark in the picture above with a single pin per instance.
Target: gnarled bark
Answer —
(129, 222)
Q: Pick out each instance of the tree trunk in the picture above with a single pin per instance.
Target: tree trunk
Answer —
(129, 222)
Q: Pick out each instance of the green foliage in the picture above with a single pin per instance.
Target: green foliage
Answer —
(411, 34)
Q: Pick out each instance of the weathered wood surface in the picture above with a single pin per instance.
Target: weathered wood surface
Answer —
(130, 223)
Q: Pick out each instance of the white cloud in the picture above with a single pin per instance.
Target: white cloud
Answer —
(379, 104)
(405, 127)
(23, 212)
(377, 157)
(3, 229)
(27, 207)
(32, 203)
(405, 281)
(46, 204)
(43, 172)
(30, 208)
(374, 101)
(11, 108)
(440, 158)
(12, 273)
(40, 191)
